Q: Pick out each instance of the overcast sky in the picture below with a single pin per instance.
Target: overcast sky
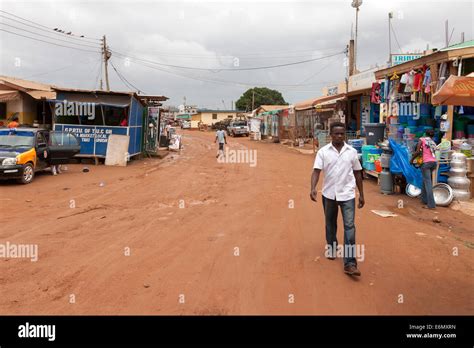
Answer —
(218, 35)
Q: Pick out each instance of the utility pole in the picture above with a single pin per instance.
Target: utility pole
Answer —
(253, 98)
(351, 58)
(446, 32)
(390, 16)
(106, 55)
(462, 37)
(356, 4)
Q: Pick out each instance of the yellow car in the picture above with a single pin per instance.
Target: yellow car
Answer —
(25, 151)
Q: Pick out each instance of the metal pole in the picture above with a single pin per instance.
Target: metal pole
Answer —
(355, 46)
(389, 39)
(106, 60)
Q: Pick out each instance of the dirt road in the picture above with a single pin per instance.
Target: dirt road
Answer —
(188, 235)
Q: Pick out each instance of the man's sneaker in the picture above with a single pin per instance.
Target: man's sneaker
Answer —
(351, 270)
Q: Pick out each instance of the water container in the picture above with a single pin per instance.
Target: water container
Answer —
(375, 132)
(466, 149)
(365, 152)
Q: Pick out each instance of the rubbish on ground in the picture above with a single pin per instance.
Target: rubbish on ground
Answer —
(85, 170)
(420, 233)
(384, 213)
(436, 219)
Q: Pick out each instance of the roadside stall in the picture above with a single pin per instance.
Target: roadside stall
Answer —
(459, 90)
(95, 115)
(409, 105)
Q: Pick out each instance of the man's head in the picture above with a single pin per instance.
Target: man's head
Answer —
(337, 130)
(15, 118)
(429, 133)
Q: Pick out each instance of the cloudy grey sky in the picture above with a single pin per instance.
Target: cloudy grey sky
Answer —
(148, 36)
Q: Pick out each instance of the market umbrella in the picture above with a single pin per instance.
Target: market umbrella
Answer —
(457, 90)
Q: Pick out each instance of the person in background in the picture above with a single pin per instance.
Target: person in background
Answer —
(56, 169)
(342, 173)
(14, 123)
(167, 130)
(220, 136)
(124, 122)
(426, 148)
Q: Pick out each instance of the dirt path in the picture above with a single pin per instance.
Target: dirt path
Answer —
(191, 250)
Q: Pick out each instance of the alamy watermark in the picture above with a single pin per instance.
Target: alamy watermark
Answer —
(238, 156)
(356, 251)
(25, 251)
(70, 108)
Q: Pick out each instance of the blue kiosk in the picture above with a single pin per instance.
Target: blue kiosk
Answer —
(94, 115)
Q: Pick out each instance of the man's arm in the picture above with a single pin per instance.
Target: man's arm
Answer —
(360, 187)
(314, 183)
(225, 139)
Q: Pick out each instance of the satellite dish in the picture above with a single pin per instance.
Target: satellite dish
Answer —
(356, 3)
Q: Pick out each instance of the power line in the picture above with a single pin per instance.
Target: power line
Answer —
(49, 37)
(48, 72)
(217, 81)
(121, 77)
(72, 36)
(232, 56)
(51, 43)
(395, 35)
(318, 72)
(227, 69)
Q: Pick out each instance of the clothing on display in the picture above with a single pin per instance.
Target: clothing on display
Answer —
(427, 81)
(375, 94)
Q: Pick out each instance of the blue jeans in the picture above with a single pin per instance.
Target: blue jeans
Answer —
(427, 189)
(331, 208)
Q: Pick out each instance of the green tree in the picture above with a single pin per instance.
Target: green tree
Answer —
(262, 96)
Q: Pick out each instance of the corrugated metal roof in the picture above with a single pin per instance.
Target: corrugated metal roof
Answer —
(459, 45)
(311, 103)
(26, 84)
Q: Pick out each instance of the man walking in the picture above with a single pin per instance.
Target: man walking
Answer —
(220, 136)
(342, 172)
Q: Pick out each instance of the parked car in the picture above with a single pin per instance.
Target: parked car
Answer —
(25, 151)
(238, 128)
(185, 125)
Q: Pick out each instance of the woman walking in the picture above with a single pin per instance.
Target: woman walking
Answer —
(426, 148)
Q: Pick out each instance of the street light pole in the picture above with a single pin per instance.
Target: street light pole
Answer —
(356, 4)
(390, 16)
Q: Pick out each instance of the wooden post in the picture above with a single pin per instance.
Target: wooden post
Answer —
(449, 135)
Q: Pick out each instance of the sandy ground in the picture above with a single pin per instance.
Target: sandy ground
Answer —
(210, 238)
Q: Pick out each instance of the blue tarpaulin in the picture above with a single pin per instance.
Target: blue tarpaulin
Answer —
(400, 164)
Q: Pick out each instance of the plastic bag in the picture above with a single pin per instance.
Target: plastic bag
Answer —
(400, 164)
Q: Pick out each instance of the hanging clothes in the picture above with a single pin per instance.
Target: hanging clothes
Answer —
(409, 84)
(375, 94)
(417, 82)
(427, 81)
(382, 92)
(402, 83)
(386, 89)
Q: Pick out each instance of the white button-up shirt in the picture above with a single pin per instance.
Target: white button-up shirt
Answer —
(339, 181)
